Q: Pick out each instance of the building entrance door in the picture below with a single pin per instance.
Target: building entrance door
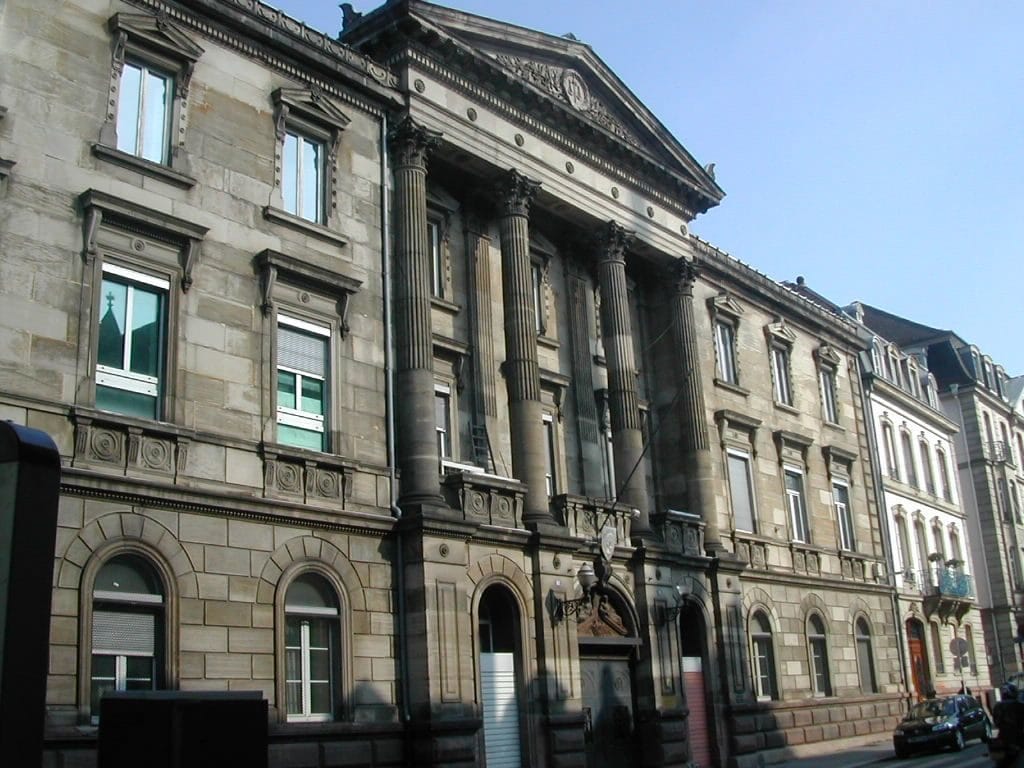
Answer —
(918, 658)
(608, 705)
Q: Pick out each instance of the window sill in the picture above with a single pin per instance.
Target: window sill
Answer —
(313, 229)
(834, 426)
(444, 305)
(146, 167)
(786, 408)
(547, 341)
(730, 387)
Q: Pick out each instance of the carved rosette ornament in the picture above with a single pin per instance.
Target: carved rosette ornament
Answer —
(515, 192)
(411, 144)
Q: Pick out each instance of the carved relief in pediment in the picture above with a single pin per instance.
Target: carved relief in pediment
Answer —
(568, 86)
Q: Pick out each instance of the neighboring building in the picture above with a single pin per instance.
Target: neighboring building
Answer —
(975, 394)
(389, 381)
(933, 559)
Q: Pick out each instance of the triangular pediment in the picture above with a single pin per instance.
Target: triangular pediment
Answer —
(157, 33)
(557, 80)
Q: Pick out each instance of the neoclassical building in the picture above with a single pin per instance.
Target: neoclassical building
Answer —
(390, 382)
(933, 558)
(976, 395)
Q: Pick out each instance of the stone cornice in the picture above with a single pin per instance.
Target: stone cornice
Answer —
(774, 296)
(884, 390)
(274, 38)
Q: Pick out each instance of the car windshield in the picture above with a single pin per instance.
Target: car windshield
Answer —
(933, 708)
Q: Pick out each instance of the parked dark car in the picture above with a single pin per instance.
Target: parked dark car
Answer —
(944, 722)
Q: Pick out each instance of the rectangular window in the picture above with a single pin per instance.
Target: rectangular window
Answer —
(443, 419)
(302, 381)
(302, 178)
(841, 498)
(780, 375)
(908, 457)
(830, 405)
(947, 489)
(741, 492)
(131, 346)
(893, 466)
(537, 277)
(437, 276)
(764, 669)
(308, 663)
(145, 97)
(926, 467)
(725, 346)
(550, 475)
(797, 508)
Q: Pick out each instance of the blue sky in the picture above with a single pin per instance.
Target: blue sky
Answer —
(875, 147)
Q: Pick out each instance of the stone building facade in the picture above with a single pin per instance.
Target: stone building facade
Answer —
(933, 561)
(976, 394)
(389, 381)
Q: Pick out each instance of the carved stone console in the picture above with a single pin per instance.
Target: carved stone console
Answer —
(485, 499)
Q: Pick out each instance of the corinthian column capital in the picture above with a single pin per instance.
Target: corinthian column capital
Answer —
(612, 242)
(412, 143)
(514, 193)
(684, 273)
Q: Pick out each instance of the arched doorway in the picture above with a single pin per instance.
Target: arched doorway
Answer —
(608, 643)
(919, 671)
(499, 677)
(693, 649)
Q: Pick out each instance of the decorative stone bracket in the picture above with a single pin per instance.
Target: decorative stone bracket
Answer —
(273, 264)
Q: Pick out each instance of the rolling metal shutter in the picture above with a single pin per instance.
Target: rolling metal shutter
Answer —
(700, 732)
(501, 710)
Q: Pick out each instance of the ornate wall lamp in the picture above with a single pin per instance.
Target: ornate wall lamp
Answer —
(667, 614)
(592, 582)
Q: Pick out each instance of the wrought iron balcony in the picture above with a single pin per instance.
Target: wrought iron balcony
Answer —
(947, 591)
(1000, 452)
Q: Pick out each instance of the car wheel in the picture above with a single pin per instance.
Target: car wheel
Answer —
(958, 740)
(902, 753)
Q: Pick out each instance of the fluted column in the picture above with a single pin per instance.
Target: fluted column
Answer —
(623, 404)
(414, 354)
(522, 371)
(695, 442)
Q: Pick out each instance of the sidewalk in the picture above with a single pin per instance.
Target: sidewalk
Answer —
(855, 757)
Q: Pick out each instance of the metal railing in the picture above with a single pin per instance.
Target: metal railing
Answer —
(941, 580)
(1000, 452)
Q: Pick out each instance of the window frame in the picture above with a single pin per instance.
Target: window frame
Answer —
(927, 471)
(782, 384)
(315, 116)
(891, 457)
(342, 670)
(126, 239)
(297, 417)
(799, 520)
(444, 433)
(944, 475)
(909, 463)
(844, 516)
(762, 657)
(818, 657)
(726, 315)
(551, 476)
(745, 457)
(863, 639)
(158, 44)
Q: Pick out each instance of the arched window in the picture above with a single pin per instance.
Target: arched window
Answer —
(312, 649)
(926, 466)
(128, 620)
(892, 465)
(817, 643)
(865, 657)
(947, 487)
(922, 548)
(762, 653)
(499, 676)
(908, 458)
(904, 548)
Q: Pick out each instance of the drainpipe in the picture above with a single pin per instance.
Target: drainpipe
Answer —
(389, 407)
(883, 518)
(954, 389)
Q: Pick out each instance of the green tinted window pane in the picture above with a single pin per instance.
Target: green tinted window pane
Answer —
(128, 106)
(289, 173)
(139, 669)
(293, 698)
(300, 438)
(293, 664)
(147, 331)
(319, 698)
(310, 180)
(313, 396)
(104, 667)
(285, 389)
(319, 665)
(99, 688)
(292, 633)
(113, 304)
(154, 124)
(128, 403)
